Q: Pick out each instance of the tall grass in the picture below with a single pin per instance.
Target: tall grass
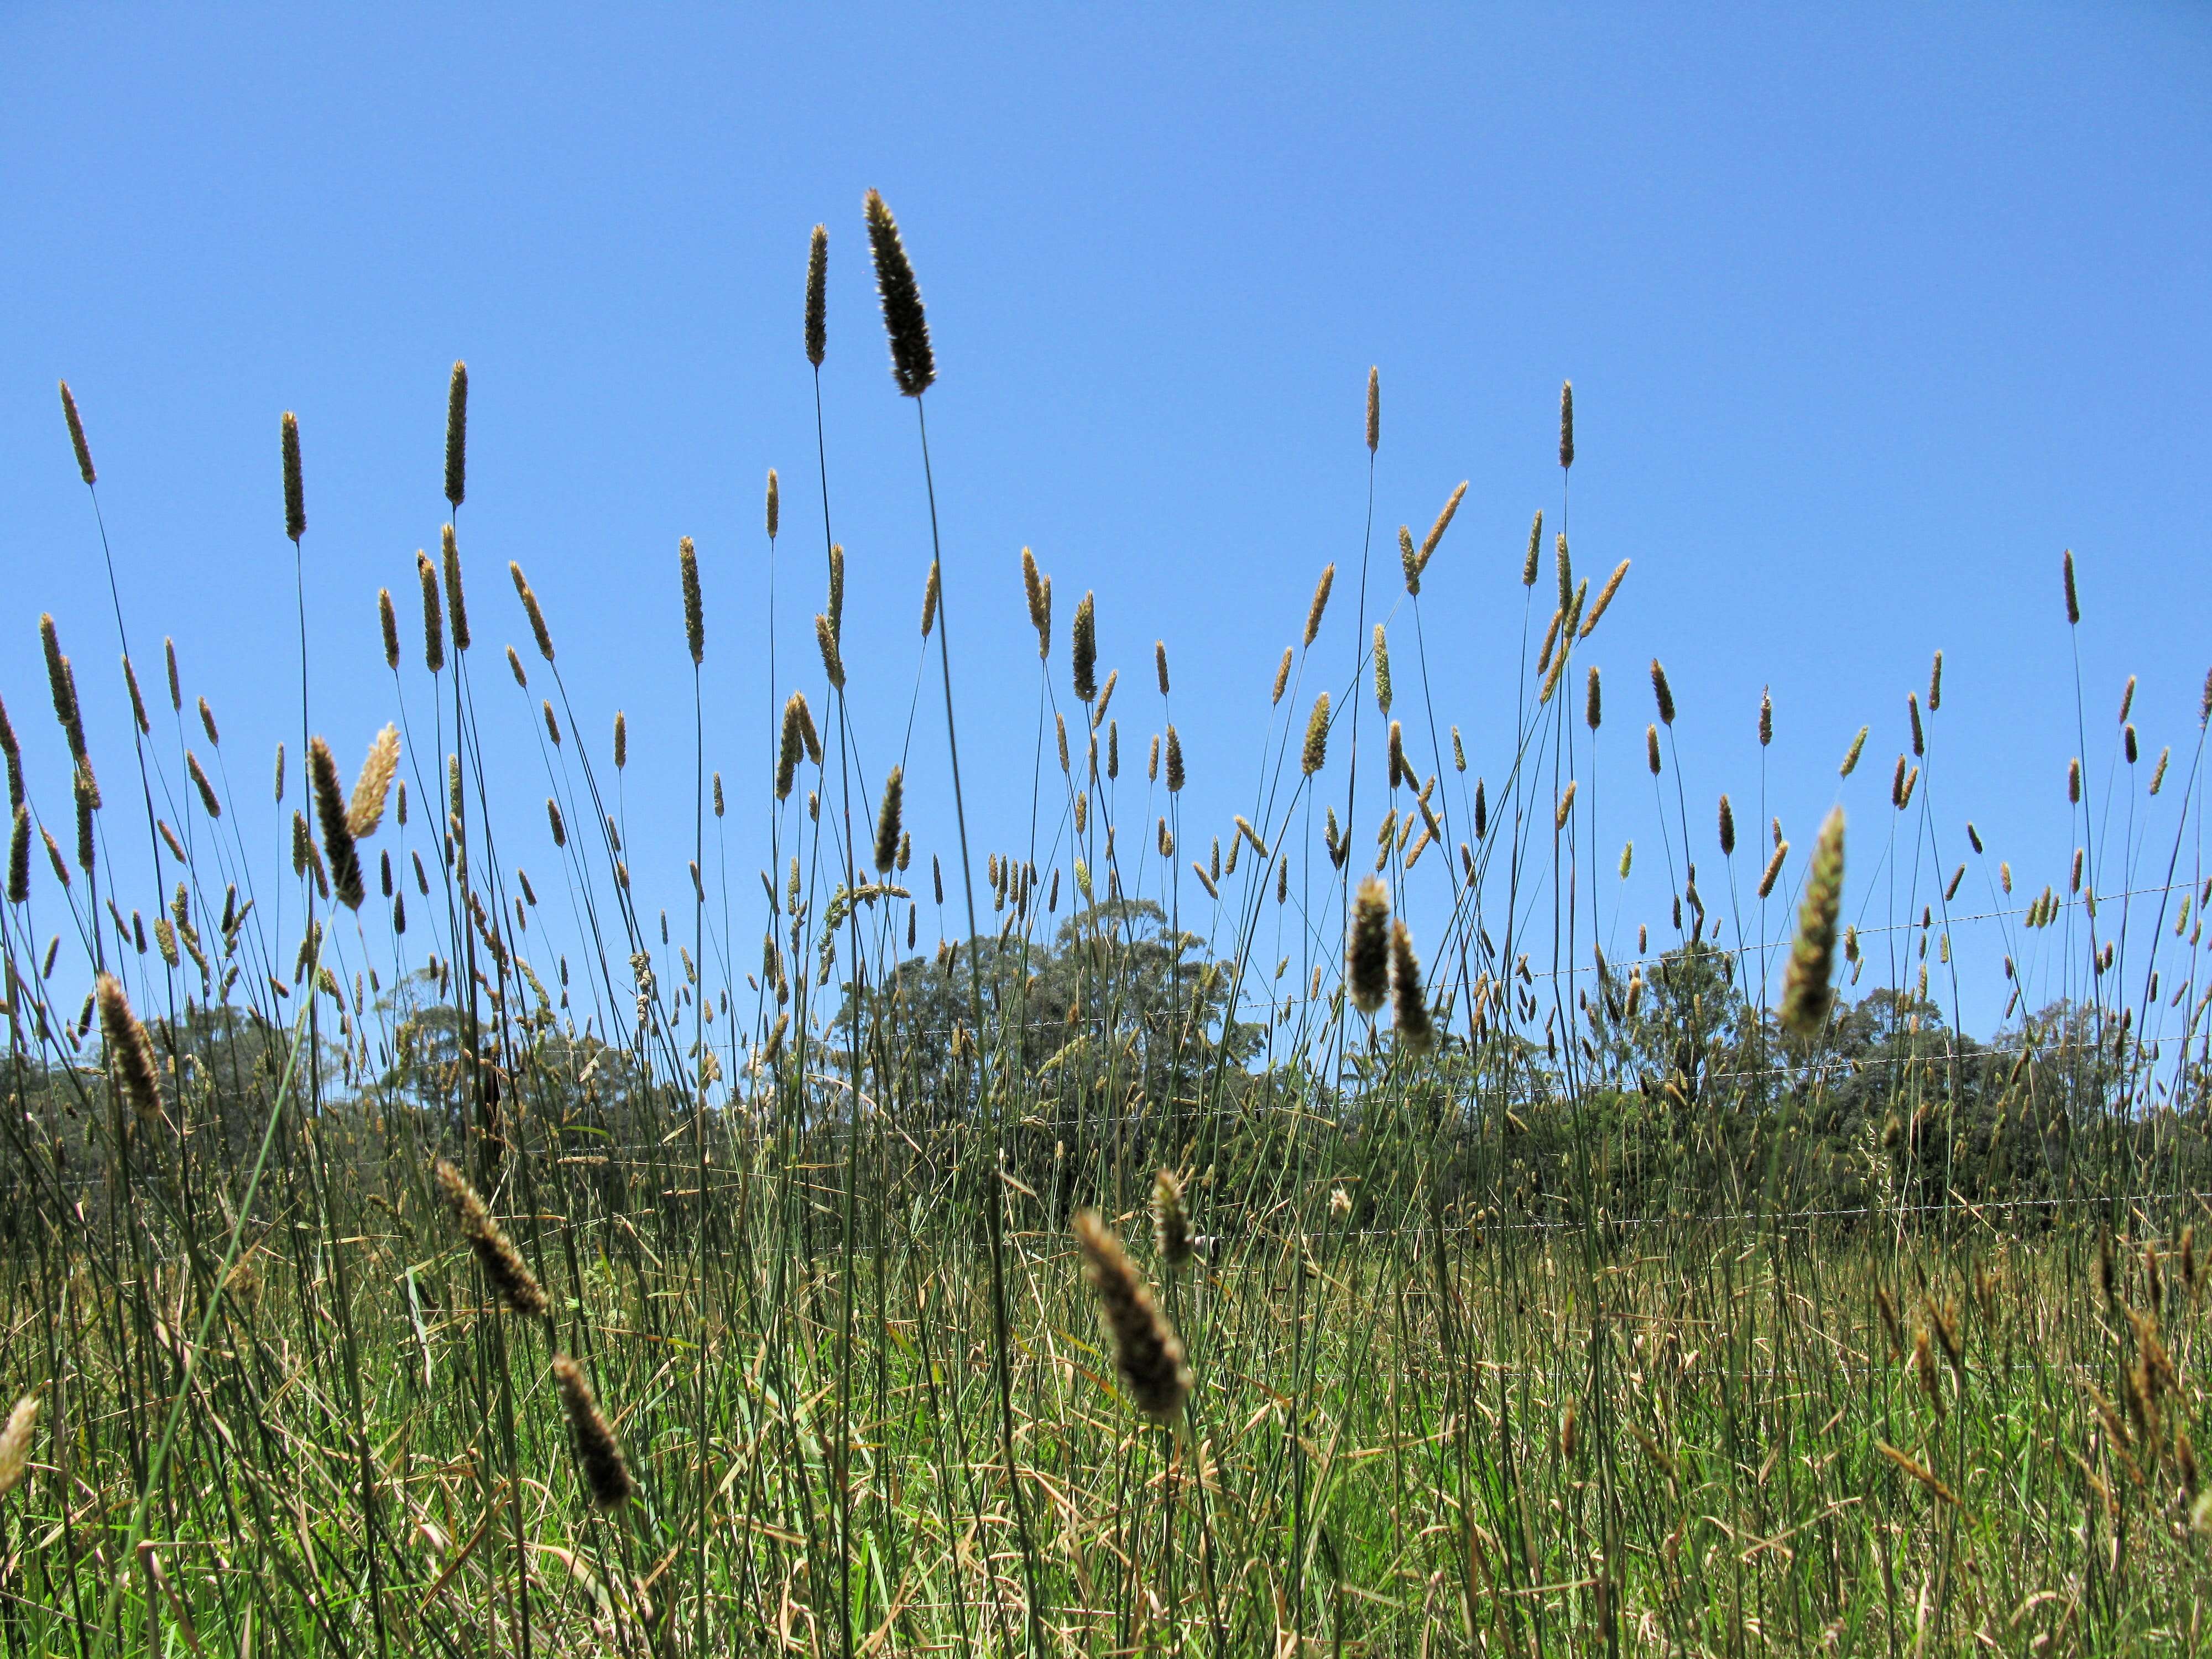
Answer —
(504, 1272)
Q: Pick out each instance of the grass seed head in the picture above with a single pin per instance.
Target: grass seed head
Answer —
(914, 365)
(1315, 754)
(76, 435)
(1808, 992)
(598, 1454)
(1146, 1351)
(774, 504)
(457, 435)
(495, 1252)
(330, 810)
(455, 598)
(1171, 1224)
(529, 599)
(817, 296)
(295, 499)
(1566, 424)
(1367, 949)
(1409, 1008)
(887, 822)
(434, 624)
(19, 857)
(131, 1050)
(23, 1420)
(695, 612)
(1320, 603)
(1604, 599)
(1083, 650)
(1373, 410)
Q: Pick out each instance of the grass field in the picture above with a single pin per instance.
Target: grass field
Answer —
(486, 1265)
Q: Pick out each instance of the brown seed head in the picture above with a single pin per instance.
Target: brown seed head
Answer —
(1807, 993)
(1566, 424)
(887, 821)
(818, 296)
(131, 1051)
(15, 1438)
(457, 435)
(1170, 1225)
(19, 857)
(1320, 603)
(1084, 650)
(695, 612)
(495, 1252)
(1663, 693)
(1604, 599)
(330, 810)
(1146, 1351)
(76, 435)
(457, 607)
(1536, 544)
(1409, 1011)
(373, 784)
(1367, 949)
(1316, 755)
(914, 365)
(433, 623)
(1373, 410)
(598, 1454)
(296, 501)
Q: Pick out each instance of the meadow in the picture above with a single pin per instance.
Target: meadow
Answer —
(987, 1238)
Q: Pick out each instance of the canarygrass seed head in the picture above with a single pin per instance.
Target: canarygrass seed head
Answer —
(1807, 984)
(1146, 1350)
(1171, 1224)
(502, 1264)
(887, 821)
(1315, 753)
(77, 436)
(817, 297)
(914, 365)
(434, 624)
(1409, 1010)
(695, 613)
(295, 499)
(1367, 948)
(23, 1424)
(337, 839)
(457, 435)
(599, 1455)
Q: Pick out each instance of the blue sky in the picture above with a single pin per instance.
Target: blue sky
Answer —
(1870, 311)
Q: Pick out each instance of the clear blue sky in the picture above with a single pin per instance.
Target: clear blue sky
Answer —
(1870, 311)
